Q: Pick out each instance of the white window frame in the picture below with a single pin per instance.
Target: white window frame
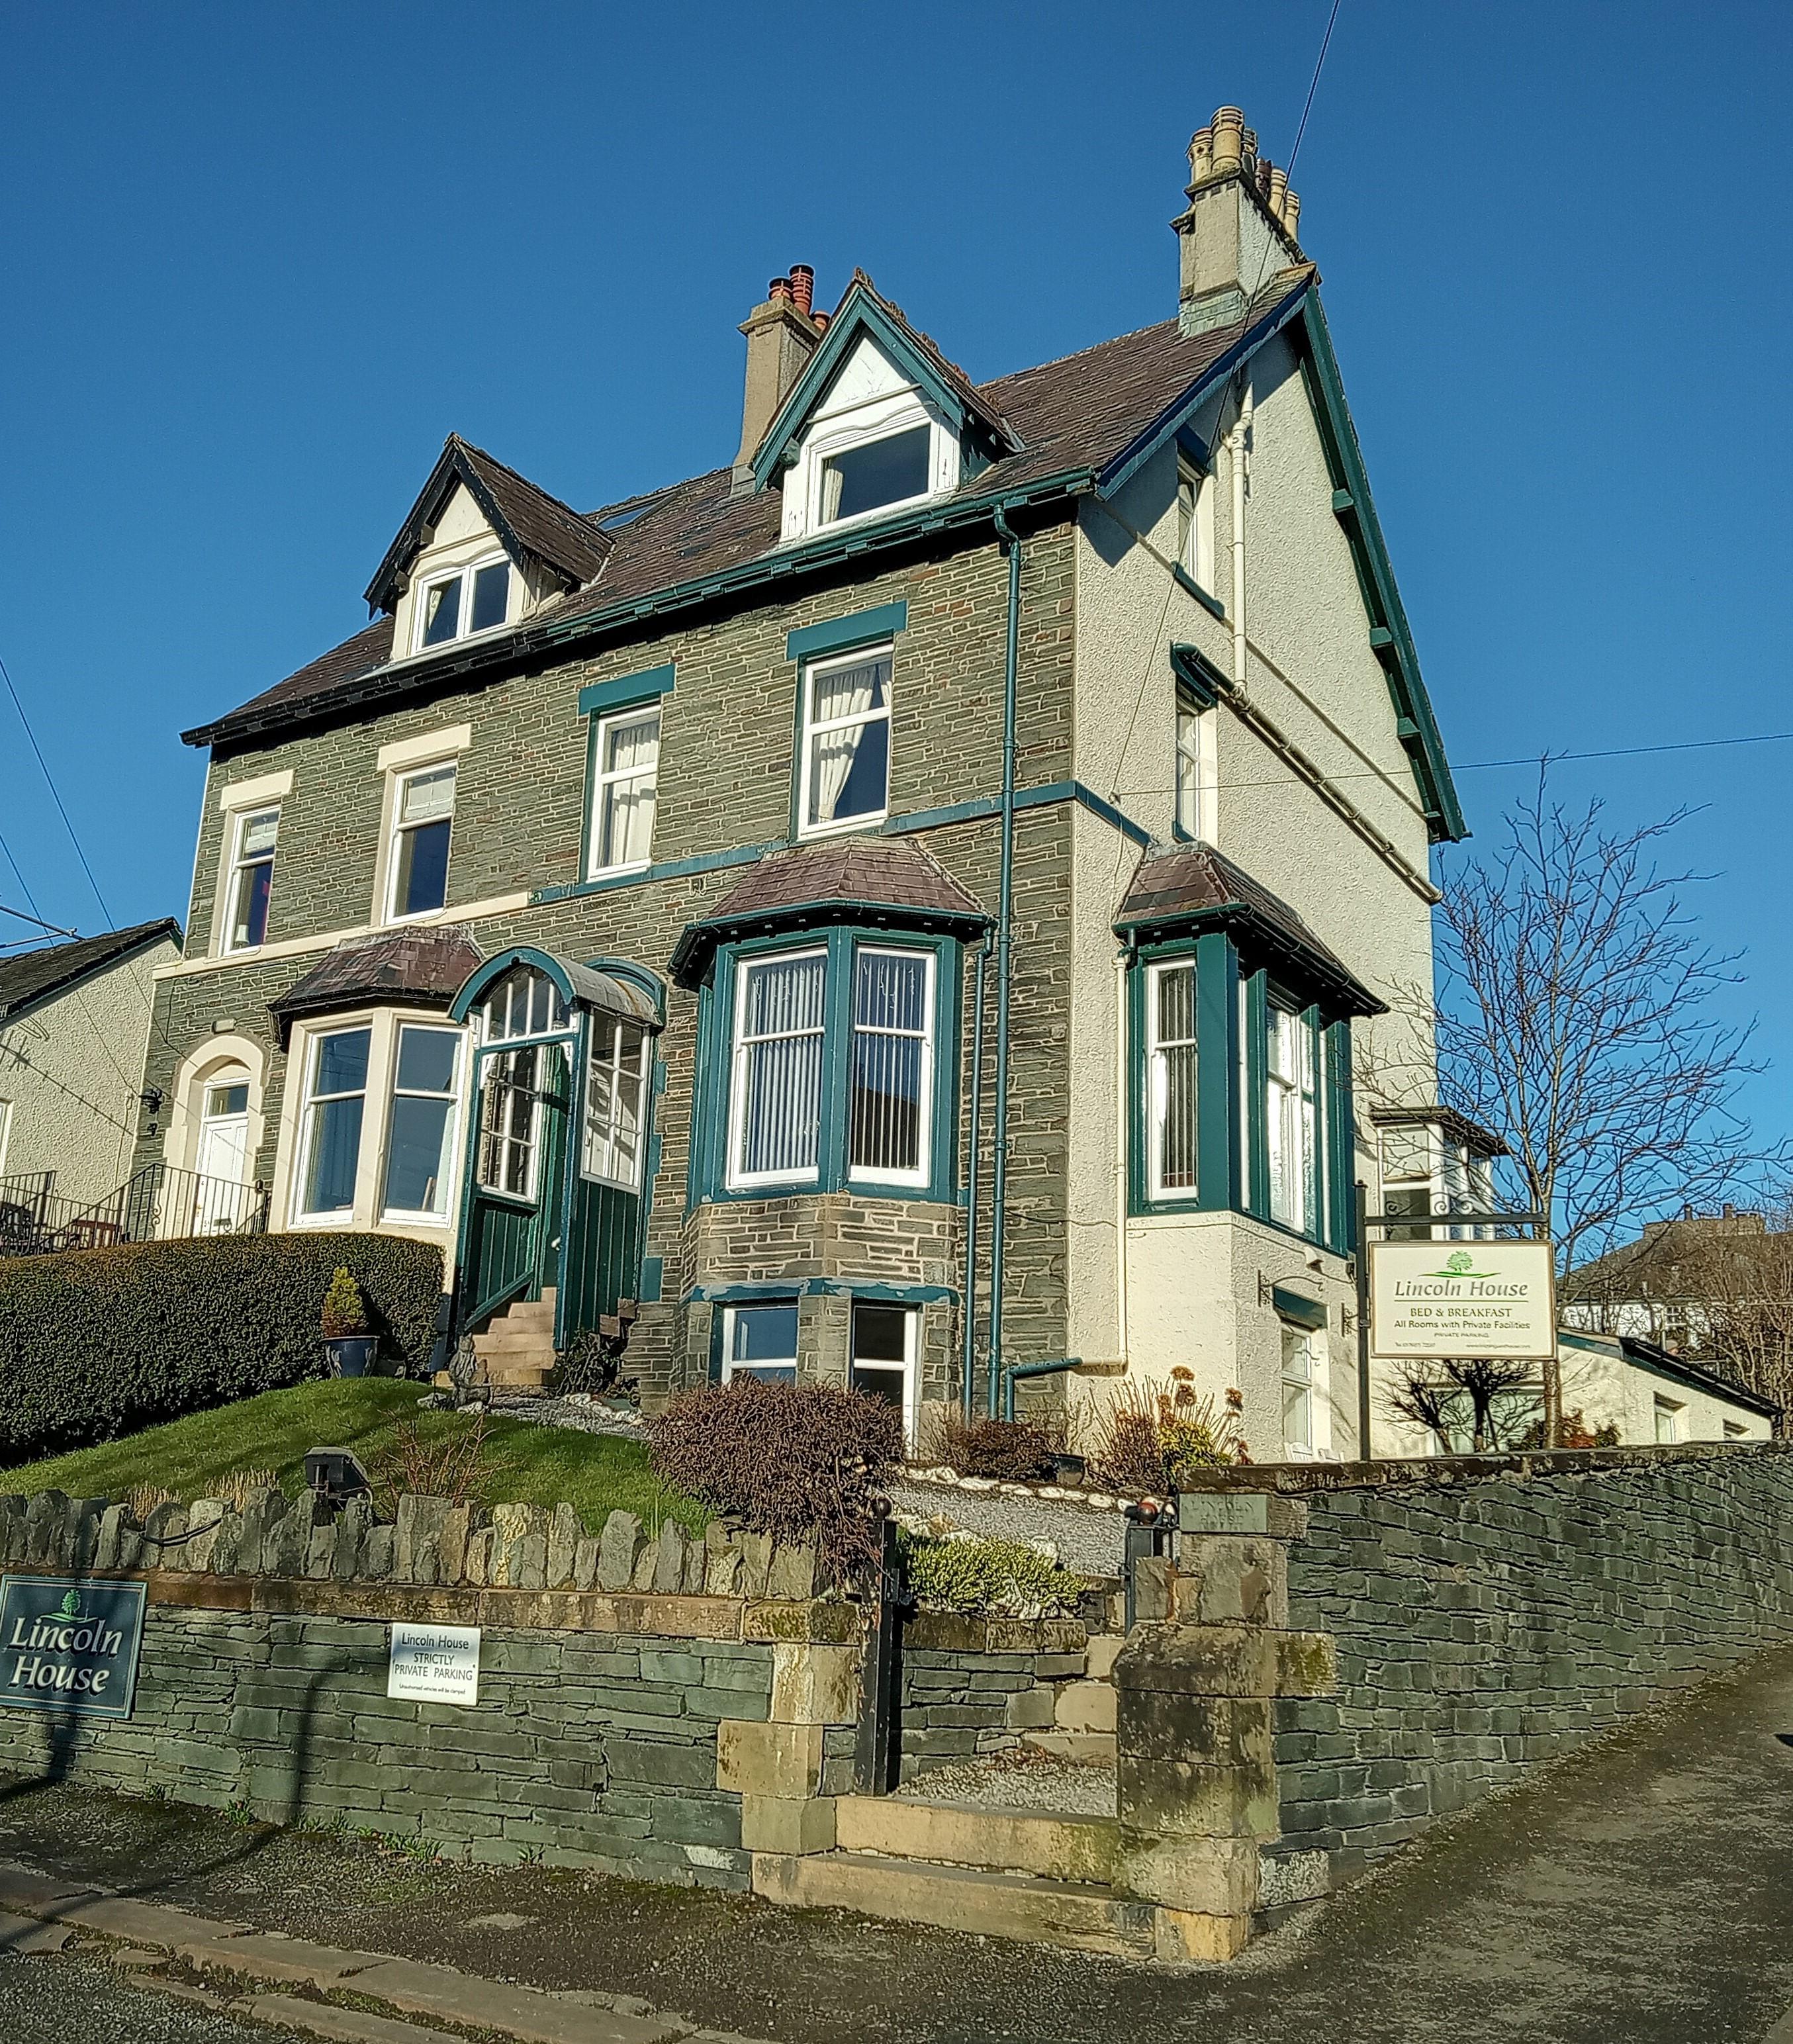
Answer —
(881, 418)
(729, 1316)
(237, 867)
(1293, 1100)
(399, 780)
(1673, 1414)
(595, 1158)
(464, 574)
(1314, 1380)
(391, 1094)
(1158, 1082)
(1194, 522)
(865, 1175)
(602, 781)
(912, 1350)
(1189, 768)
(367, 1211)
(858, 656)
(739, 1179)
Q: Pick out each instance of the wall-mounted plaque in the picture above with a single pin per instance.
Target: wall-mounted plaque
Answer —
(71, 1646)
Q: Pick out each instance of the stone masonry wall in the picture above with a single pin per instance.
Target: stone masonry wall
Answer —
(1483, 1620)
(725, 774)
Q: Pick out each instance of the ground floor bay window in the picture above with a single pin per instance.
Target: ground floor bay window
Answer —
(371, 1130)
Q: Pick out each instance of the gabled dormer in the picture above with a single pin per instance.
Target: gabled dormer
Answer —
(481, 549)
(876, 421)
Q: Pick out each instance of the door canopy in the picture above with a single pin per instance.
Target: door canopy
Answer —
(532, 993)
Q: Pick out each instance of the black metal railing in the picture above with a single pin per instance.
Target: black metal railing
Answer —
(160, 1203)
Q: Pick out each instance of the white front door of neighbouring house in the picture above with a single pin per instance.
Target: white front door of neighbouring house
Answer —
(222, 1156)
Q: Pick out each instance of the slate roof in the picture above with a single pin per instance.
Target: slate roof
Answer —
(524, 517)
(1073, 417)
(41, 975)
(424, 968)
(891, 880)
(1179, 887)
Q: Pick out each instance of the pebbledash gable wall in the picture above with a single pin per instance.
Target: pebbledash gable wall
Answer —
(1484, 1621)
(725, 777)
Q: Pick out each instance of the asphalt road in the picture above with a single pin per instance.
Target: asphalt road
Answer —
(59, 2000)
(1641, 1893)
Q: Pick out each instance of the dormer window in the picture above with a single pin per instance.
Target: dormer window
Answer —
(457, 606)
(883, 472)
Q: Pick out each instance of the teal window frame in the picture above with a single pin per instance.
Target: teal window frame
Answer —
(597, 701)
(1233, 1001)
(713, 1107)
(827, 640)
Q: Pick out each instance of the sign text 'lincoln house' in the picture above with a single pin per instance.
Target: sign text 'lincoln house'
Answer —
(70, 1647)
(1444, 1301)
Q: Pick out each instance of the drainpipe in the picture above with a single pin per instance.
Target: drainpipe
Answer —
(1236, 463)
(1056, 1368)
(968, 1393)
(1005, 917)
(1124, 1138)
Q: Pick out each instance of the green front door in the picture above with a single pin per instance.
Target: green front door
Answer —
(513, 1235)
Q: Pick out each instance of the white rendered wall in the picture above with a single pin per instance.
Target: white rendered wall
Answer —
(72, 1069)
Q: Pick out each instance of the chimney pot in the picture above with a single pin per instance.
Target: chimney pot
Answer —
(1279, 190)
(1291, 213)
(1228, 129)
(1201, 154)
(803, 285)
(779, 288)
(780, 340)
(1250, 145)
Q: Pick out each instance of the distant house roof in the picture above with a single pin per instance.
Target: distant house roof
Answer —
(38, 976)
(1459, 1128)
(870, 880)
(1186, 887)
(526, 519)
(421, 968)
(1661, 1362)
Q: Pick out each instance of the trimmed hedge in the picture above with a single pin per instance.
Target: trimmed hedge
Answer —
(98, 1343)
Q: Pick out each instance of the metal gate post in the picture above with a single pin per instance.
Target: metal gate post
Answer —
(878, 1754)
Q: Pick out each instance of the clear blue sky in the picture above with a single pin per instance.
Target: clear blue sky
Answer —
(259, 260)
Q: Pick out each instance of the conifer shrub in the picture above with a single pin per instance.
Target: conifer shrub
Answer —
(987, 1576)
(98, 1342)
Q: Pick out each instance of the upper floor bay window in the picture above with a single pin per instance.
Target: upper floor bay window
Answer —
(832, 1049)
(1433, 1163)
(625, 770)
(456, 606)
(422, 823)
(1194, 522)
(845, 769)
(760, 1341)
(377, 1130)
(255, 834)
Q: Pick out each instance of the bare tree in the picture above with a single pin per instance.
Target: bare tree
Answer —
(1574, 1019)
(1436, 1402)
(1733, 1298)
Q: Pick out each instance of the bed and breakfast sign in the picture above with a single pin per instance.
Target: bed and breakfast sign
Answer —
(1440, 1301)
(70, 1647)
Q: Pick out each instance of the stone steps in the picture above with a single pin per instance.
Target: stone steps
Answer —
(515, 1349)
(1028, 1907)
(1047, 1844)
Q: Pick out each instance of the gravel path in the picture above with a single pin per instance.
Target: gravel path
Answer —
(59, 2000)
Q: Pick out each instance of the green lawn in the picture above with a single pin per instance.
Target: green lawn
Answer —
(597, 1473)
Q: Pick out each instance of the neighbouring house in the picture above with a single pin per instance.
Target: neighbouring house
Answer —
(75, 1024)
(904, 906)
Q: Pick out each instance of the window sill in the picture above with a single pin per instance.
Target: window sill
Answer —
(603, 875)
(1186, 581)
(870, 821)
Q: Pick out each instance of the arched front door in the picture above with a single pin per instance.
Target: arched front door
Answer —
(556, 1178)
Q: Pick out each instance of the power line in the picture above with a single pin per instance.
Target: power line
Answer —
(49, 781)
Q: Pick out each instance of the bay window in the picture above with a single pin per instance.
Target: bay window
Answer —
(845, 767)
(1170, 1009)
(760, 1341)
(376, 1134)
(882, 1364)
(822, 1067)
(1292, 1118)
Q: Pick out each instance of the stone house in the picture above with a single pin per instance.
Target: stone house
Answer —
(74, 1022)
(907, 905)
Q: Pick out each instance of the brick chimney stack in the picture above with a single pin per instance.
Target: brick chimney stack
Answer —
(1240, 224)
(783, 334)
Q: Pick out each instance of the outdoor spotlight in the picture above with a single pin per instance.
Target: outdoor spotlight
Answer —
(335, 1475)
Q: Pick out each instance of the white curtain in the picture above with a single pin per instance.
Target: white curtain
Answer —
(847, 692)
